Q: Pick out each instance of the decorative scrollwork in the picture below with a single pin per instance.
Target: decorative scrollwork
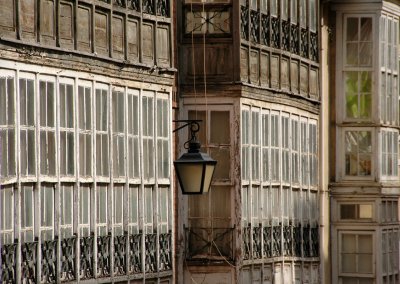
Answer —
(257, 242)
(163, 8)
(244, 22)
(254, 26)
(275, 36)
(287, 240)
(294, 39)
(246, 242)
(314, 46)
(8, 262)
(134, 4)
(297, 240)
(148, 6)
(49, 259)
(103, 255)
(165, 252)
(28, 262)
(265, 29)
(209, 242)
(151, 253)
(86, 257)
(285, 35)
(135, 253)
(68, 259)
(120, 3)
(314, 241)
(267, 236)
(304, 43)
(306, 241)
(276, 241)
(120, 254)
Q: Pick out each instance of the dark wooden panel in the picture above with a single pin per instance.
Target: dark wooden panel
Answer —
(254, 67)
(27, 19)
(66, 25)
(314, 83)
(294, 76)
(218, 62)
(47, 22)
(264, 67)
(285, 73)
(244, 64)
(101, 33)
(118, 37)
(132, 38)
(7, 16)
(304, 80)
(163, 46)
(83, 31)
(148, 43)
(275, 71)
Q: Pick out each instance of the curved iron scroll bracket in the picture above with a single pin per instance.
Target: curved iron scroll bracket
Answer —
(194, 128)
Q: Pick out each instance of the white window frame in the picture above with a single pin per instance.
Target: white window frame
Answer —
(66, 229)
(47, 130)
(102, 208)
(339, 252)
(86, 132)
(341, 164)
(148, 137)
(102, 156)
(118, 135)
(25, 230)
(24, 153)
(8, 160)
(64, 128)
(6, 197)
(163, 157)
(134, 116)
(47, 190)
(118, 205)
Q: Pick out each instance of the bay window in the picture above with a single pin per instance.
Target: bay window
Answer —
(358, 153)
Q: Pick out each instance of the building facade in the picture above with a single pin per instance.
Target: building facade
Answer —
(299, 103)
(86, 95)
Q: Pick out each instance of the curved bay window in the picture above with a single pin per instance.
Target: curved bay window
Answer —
(87, 200)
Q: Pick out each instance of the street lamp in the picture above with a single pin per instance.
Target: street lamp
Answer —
(194, 169)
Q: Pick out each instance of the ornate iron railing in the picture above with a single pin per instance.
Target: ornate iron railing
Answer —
(134, 4)
(315, 241)
(68, 259)
(306, 241)
(304, 43)
(297, 240)
(165, 252)
(287, 240)
(254, 26)
(244, 22)
(49, 261)
(246, 242)
(86, 257)
(150, 253)
(103, 255)
(135, 253)
(163, 8)
(120, 243)
(285, 35)
(314, 46)
(276, 241)
(294, 39)
(267, 238)
(265, 29)
(275, 35)
(28, 262)
(148, 6)
(206, 242)
(8, 263)
(257, 247)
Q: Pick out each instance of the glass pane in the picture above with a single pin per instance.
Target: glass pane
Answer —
(118, 203)
(349, 243)
(352, 54)
(352, 29)
(222, 169)
(220, 127)
(46, 202)
(366, 29)
(349, 263)
(133, 204)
